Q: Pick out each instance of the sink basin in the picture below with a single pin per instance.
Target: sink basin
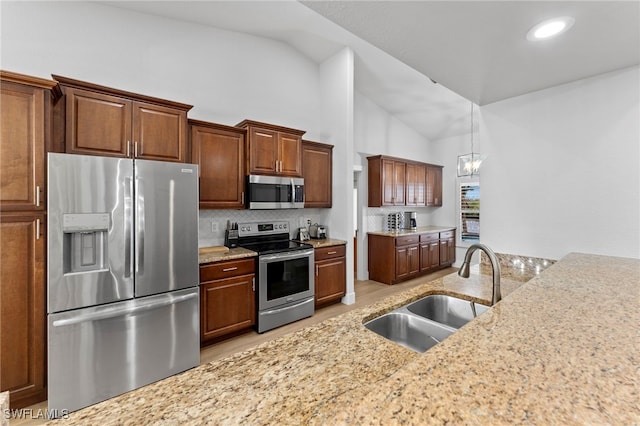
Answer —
(408, 330)
(447, 310)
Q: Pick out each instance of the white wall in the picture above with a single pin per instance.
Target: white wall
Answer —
(227, 76)
(376, 131)
(563, 169)
(337, 104)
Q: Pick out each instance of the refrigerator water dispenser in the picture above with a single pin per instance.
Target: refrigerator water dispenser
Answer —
(85, 242)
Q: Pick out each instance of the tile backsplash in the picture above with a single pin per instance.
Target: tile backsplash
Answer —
(210, 219)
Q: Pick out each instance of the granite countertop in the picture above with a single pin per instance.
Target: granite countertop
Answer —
(418, 230)
(559, 349)
(325, 242)
(234, 253)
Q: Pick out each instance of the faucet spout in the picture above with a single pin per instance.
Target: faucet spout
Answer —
(496, 296)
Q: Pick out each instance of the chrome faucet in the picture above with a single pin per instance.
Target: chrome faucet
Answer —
(495, 266)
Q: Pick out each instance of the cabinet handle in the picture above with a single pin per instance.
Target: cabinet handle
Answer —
(276, 166)
(242, 199)
(230, 269)
(332, 252)
(253, 284)
(38, 196)
(128, 149)
(316, 270)
(37, 229)
(135, 149)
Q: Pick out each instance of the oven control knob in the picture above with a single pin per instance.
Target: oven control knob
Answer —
(248, 228)
(280, 226)
(285, 226)
(243, 229)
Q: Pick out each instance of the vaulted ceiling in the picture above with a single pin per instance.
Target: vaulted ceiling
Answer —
(474, 50)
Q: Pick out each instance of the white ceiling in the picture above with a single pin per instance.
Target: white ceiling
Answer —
(475, 50)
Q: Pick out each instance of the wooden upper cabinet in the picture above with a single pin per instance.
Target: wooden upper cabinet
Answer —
(273, 150)
(219, 152)
(387, 181)
(104, 121)
(317, 163)
(25, 124)
(398, 182)
(160, 132)
(434, 185)
(416, 184)
(97, 124)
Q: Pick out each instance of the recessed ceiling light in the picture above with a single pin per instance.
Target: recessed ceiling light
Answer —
(550, 28)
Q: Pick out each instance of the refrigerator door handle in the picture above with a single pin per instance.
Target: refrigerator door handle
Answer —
(140, 226)
(128, 227)
(117, 312)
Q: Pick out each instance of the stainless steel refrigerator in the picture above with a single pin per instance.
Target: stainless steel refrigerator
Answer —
(122, 300)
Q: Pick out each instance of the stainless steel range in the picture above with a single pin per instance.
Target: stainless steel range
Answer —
(285, 273)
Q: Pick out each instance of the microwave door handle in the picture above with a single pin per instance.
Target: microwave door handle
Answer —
(293, 191)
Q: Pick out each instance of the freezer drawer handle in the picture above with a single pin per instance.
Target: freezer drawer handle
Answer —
(169, 300)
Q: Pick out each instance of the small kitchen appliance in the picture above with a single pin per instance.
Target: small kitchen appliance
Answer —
(317, 231)
(285, 276)
(410, 220)
(274, 192)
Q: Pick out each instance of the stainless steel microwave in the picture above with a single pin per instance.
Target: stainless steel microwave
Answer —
(275, 192)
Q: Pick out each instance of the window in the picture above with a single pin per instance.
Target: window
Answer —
(470, 211)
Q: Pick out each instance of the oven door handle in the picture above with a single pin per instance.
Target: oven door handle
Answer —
(286, 256)
(286, 308)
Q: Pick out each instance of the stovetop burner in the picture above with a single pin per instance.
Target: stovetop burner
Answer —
(268, 237)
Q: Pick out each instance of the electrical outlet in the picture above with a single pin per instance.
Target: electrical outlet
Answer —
(214, 227)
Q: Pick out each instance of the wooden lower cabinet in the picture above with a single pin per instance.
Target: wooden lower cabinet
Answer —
(395, 259)
(447, 248)
(330, 274)
(429, 252)
(407, 261)
(227, 299)
(22, 308)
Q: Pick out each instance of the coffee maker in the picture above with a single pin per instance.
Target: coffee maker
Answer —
(410, 220)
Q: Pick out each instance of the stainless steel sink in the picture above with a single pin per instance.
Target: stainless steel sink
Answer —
(422, 324)
(447, 310)
(409, 330)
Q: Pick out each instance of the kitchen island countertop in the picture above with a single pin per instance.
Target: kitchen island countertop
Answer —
(559, 349)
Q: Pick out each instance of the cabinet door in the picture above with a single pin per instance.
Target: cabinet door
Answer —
(388, 183)
(447, 251)
(434, 186)
(220, 156)
(402, 262)
(289, 155)
(22, 307)
(98, 124)
(330, 281)
(159, 132)
(399, 178)
(317, 172)
(415, 184)
(429, 256)
(413, 254)
(263, 151)
(22, 147)
(226, 306)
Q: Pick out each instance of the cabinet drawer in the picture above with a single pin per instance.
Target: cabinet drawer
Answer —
(329, 252)
(429, 237)
(406, 240)
(231, 268)
(448, 234)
